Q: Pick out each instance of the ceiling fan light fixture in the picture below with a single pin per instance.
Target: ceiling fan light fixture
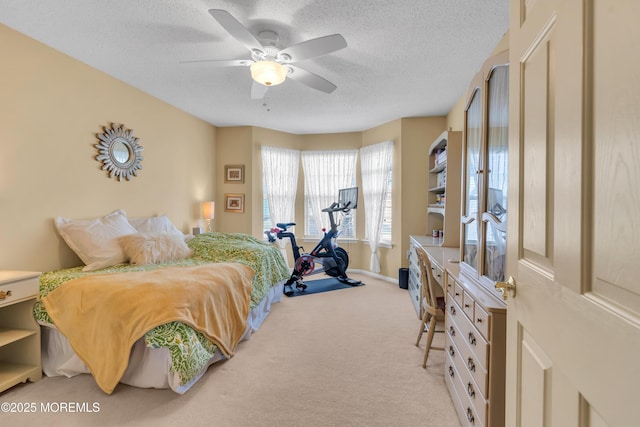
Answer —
(268, 73)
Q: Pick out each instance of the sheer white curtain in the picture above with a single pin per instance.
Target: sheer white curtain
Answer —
(280, 171)
(326, 172)
(375, 164)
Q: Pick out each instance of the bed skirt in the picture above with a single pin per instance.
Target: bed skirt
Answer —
(148, 367)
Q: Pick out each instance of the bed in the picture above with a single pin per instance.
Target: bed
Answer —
(175, 353)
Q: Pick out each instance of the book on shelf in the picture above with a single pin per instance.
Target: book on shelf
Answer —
(441, 157)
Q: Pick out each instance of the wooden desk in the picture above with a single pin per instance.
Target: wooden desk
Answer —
(442, 260)
(475, 338)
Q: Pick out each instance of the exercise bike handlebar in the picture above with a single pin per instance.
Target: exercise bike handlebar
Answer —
(336, 207)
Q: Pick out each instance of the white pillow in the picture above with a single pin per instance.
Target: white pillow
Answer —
(154, 248)
(95, 241)
(154, 224)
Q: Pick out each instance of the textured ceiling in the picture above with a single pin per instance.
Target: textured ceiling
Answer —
(405, 58)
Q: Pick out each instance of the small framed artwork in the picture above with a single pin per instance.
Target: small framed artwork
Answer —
(233, 174)
(234, 203)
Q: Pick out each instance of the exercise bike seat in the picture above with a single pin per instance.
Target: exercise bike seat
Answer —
(284, 226)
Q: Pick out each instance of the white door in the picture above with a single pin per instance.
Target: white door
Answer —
(573, 334)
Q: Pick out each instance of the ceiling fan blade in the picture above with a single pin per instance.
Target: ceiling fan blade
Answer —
(222, 62)
(310, 79)
(315, 47)
(258, 91)
(236, 29)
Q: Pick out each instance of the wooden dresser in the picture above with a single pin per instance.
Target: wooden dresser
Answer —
(475, 339)
(475, 346)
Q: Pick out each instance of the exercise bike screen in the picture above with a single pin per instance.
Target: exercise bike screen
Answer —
(347, 195)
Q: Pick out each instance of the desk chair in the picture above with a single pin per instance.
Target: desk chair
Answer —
(433, 306)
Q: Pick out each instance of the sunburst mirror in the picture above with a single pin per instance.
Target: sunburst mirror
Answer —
(119, 152)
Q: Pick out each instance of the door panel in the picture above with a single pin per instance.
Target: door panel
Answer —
(617, 156)
(535, 108)
(574, 213)
(536, 382)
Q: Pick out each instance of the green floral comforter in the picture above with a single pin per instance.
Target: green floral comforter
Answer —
(190, 350)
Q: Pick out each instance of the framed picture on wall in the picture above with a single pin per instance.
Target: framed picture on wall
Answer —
(234, 203)
(234, 174)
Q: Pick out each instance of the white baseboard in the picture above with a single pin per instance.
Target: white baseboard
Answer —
(376, 275)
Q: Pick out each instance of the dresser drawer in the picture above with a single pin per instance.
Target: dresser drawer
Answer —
(469, 386)
(437, 271)
(466, 411)
(457, 345)
(451, 285)
(458, 293)
(19, 290)
(481, 320)
(458, 404)
(468, 304)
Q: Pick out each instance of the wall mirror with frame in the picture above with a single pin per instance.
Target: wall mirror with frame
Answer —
(119, 152)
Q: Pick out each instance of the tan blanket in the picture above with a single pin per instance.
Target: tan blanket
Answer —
(103, 315)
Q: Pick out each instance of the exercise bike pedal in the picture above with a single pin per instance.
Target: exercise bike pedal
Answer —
(301, 286)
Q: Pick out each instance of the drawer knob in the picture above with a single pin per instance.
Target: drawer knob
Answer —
(479, 320)
(470, 416)
(507, 288)
(472, 338)
(451, 371)
(452, 309)
(452, 352)
(470, 391)
(452, 331)
(466, 306)
(4, 294)
(471, 365)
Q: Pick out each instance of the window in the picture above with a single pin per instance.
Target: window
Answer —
(279, 185)
(385, 234)
(377, 166)
(377, 162)
(325, 173)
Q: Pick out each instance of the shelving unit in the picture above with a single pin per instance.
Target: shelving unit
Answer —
(443, 199)
(19, 332)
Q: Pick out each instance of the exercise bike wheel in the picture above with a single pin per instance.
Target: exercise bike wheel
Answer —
(343, 260)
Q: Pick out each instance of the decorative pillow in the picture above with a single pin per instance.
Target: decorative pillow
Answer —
(154, 224)
(154, 248)
(95, 241)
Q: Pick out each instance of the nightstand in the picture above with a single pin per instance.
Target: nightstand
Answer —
(19, 331)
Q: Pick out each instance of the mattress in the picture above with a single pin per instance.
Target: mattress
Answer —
(149, 367)
(172, 355)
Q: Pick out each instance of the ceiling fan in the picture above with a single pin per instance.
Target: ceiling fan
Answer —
(270, 64)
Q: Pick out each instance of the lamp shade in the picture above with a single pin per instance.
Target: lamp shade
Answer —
(208, 210)
(268, 73)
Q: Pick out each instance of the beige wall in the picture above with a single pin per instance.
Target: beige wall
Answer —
(52, 107)
(412, 138)
(233, 147)
(455, 118)
(417, 136)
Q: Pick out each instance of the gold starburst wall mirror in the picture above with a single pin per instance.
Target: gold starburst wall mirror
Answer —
(119, 152)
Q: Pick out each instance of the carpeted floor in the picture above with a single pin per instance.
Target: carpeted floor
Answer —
(340, 358)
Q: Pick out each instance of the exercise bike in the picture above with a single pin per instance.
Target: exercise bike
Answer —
(333, 259)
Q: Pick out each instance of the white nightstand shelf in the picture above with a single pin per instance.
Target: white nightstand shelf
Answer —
(19, 332)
